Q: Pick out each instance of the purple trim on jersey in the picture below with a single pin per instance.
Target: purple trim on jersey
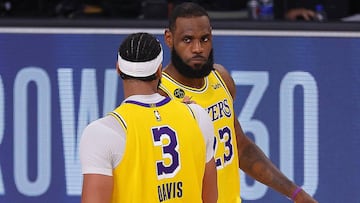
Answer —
(162, 102)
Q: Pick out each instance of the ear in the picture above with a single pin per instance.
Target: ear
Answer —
(159, 71)
(117, 68)
(168, 38)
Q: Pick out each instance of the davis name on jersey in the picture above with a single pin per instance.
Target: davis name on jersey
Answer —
(170, 190)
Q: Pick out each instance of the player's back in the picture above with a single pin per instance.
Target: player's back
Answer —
(164, 157)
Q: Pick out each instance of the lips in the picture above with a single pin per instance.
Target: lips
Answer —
(198, 59)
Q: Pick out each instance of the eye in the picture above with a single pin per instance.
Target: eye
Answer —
(187, 40)
(205, 39)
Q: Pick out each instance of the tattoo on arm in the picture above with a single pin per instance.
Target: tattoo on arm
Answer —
(254, 162)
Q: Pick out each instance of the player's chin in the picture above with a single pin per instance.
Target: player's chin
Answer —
(197, 65)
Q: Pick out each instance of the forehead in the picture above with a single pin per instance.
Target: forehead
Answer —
(192, 26)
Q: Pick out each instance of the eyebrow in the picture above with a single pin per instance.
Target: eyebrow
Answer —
(191, 36)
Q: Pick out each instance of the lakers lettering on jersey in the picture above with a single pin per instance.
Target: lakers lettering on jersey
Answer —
(215, 98)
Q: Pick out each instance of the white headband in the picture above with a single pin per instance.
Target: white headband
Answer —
(140, 69)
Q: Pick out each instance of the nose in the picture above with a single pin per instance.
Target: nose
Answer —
(197, 47)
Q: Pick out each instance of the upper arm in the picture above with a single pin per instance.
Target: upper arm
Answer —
(97, 188)
(210, 190)
(101, 146)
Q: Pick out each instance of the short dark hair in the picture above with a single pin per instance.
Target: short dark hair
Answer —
(186, 9)
(139, 47)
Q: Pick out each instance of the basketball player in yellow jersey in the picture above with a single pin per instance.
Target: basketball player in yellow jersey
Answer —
(150, 148)
(217, 100)
(192, 73)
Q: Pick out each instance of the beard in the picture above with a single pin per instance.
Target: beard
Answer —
(199, 71)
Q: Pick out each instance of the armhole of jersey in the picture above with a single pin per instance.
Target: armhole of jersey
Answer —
(218, 76)
(191, 111)
(163, 88)
(119, 119)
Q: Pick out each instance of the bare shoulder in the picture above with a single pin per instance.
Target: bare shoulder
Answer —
(225, 75)
(223, 72)
(220, 68)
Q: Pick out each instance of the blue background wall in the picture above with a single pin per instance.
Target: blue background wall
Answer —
(297, 97)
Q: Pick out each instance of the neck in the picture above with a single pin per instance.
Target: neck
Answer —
(137, 87)
(190, 82)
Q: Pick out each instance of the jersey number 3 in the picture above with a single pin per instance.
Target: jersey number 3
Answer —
(166, 138)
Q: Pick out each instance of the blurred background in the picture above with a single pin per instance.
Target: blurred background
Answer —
(336, 10)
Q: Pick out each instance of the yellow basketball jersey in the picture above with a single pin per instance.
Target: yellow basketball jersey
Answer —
(165, 156)
(216, 99)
